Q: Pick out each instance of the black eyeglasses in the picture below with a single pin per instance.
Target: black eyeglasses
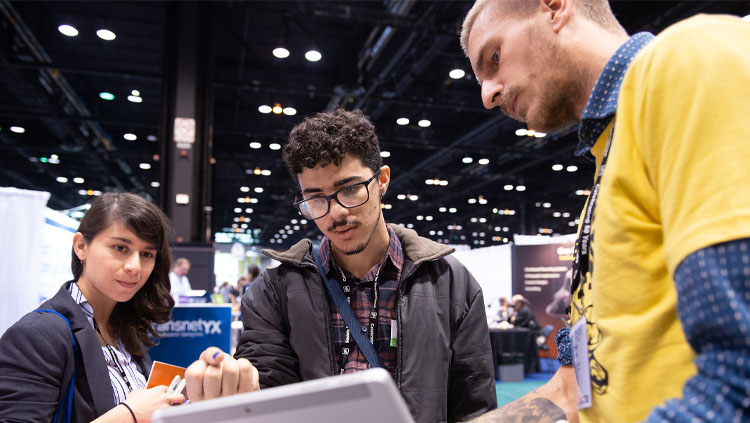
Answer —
(348, 197)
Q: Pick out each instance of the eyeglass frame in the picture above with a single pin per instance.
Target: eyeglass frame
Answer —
(334, 196)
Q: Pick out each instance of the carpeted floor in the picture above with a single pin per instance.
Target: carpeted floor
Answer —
(511, 391)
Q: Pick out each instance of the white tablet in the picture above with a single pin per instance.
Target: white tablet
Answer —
(368, 396)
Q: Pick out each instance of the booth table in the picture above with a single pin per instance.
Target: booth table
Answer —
(516, 340)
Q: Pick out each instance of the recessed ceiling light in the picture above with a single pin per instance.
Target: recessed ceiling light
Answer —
(106, 34)
(78, 180)
(276, 109)
(135, 93)
(385, 153)
(258, 189)
(135, 99)
(457, 73)
(155, 184)
(401, 197)
(428, 218)
(265, 172)
(540, 134)
(521, 132)
(289, 111)
(130, 137)
(472, 200)
(248, 210)
(557, 167)
(265, 109)
(546, 205)
(245, 189)
(106, 96)
(520, 188)
(452, 210)
(483, 161)
(572, 168)
(442, 209)
(281, 52)
(17, 129)
(402, 121)
(556, 214)
(237, 210)
(68, 30)
(424, 123)
(274, 146)
(313, 55)
(413, 197)
(467, 160)
(443, 182)
(144, 166)
(61, 179)
(255, 145)
(508, 187)
(152, 138)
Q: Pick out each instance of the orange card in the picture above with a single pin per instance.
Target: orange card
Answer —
(163, 373)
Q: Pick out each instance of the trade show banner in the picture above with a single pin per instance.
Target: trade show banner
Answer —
(193, 328)
(542, 274)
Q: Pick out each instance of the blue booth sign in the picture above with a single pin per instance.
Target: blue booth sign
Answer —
(193, 328)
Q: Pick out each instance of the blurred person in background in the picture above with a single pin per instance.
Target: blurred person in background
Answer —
(180, 284)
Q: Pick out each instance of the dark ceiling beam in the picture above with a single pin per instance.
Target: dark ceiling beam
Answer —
(132, 75)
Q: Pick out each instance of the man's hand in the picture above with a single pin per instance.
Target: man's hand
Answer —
(216, 374)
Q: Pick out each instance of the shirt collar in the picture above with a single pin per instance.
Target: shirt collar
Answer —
(394, 253)
(602, 103)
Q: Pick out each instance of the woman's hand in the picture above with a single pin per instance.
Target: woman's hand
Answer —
(143, 402)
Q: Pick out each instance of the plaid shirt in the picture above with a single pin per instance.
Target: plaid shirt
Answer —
(362, 303)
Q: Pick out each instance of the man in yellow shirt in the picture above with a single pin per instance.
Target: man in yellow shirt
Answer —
(661, 287)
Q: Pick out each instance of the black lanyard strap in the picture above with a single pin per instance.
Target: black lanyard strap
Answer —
(347, 314)
(346, 348)
(583, 243)
(113, 356)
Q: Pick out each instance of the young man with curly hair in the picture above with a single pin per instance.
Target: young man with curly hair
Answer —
(431, 332)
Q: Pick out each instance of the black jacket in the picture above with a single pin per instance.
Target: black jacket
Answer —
(524, 318)
(444, 362)
(36, 364)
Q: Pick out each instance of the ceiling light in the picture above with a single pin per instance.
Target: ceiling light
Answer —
(253, 201)
(442, 209)
(61, 179)
(402, 121)
(17, 129)
(277, 109)
(457, 73)
(313, 55)
(385, 153)
(106, 96)
(432, 233)
(281, 52)
(428, 218)
(255, 145)
(557, 167)
(566, 214)
(245, 189)
(130, 137)
(413, 197)
(420, 217)
(443, 182)
(521, 132)
(387, 206)
(520, 188)
(424, 123)
(289, 111)
(472, 200)
(265, 172)
(546, 205)
(482, 200)
(474, 220)
(144, 166)
(467, 160)
(135, 93)
(237, 210)
(429, 182)
(248, 210)
(106, 34)
(556, 214)
(401, 197)
(155, 184)
(571, 223)
(152, 138)
(258, 189)
(67, 30)
(135, 99)
(274, 146)
(540, 134)
(78, 180)
(483, 161)
(452, 210)
(572, 168)
(265, 109)
(82, 192)
(508, 187)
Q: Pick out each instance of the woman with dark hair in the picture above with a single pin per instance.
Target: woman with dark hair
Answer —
(83, 354)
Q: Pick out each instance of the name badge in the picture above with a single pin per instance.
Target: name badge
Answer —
(580, 346)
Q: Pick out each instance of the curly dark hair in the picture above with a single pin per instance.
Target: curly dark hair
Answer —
(132, 321)
(327, 137)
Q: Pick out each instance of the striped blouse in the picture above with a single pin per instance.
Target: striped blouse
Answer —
(119, 387)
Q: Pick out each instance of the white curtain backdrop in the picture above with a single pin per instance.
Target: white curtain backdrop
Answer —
(491, 266)
(21, 221)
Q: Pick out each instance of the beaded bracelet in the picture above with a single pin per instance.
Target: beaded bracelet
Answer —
(131, 412)
(562, 340)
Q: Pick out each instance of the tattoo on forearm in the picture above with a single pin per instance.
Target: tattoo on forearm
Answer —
(537, 410)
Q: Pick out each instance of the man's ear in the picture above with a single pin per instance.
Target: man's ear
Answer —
(384, 179)
(80, 246)
(558, 12)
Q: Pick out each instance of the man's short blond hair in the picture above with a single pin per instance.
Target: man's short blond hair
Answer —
(597, 11)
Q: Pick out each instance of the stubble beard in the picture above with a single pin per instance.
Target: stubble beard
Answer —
(361, 247)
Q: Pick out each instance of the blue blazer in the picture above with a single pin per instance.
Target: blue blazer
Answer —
(37, 362)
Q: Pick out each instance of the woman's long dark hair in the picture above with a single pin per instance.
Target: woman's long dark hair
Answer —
(132, 321)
